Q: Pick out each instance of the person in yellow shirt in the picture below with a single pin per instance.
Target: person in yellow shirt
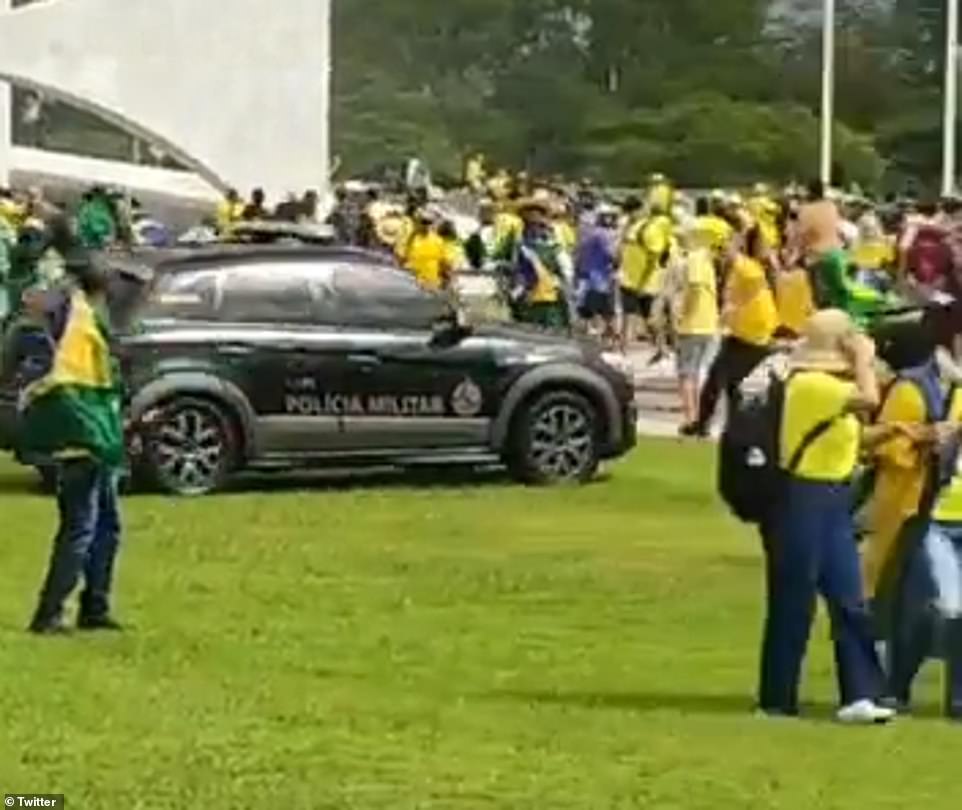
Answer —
(12, 211)
(810, 538)
(751, 319)
(874, 250)
(426, 255)
(230, 211)
(696, 324)
(508, 227)
(395, 227)
(661, 194)
(632, 271)
(901, 471)
(794, 299)
(766, 212)
(924, 567)
(646, 249)
(710, 219)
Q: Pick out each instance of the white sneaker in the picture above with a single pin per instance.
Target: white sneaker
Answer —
(865, 713)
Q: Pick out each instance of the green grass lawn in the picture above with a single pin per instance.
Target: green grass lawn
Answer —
(462, 646)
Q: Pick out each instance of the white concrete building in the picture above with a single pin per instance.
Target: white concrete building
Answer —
(237, 90)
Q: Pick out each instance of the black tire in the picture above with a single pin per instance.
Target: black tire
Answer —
(555, 440)
(190, 447)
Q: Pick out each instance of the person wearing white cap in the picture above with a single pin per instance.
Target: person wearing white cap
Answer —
(811, 548)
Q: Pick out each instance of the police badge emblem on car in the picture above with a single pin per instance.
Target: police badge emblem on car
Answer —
(467, 400)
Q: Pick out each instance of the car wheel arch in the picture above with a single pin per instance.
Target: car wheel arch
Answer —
(544, 379)
(222, 393)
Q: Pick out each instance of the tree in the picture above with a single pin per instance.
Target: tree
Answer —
(712, 92)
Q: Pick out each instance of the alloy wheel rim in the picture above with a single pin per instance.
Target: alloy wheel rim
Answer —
(189, 450)
(561, 442)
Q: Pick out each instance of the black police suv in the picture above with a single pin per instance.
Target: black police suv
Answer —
(279, 357)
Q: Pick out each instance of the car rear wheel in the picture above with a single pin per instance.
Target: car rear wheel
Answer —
(555, 440)
(190, 447)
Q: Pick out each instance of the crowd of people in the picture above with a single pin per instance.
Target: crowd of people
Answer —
(804, 289)
(850, 309)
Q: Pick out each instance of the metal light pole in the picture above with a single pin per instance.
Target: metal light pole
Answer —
(951, 98)
(828, 88)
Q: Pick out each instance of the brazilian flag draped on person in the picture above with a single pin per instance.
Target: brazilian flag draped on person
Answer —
(72, 406)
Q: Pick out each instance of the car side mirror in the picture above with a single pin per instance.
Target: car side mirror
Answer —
(448, 332)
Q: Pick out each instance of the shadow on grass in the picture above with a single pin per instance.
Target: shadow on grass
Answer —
(24, 481)
(653, 702)
(360, 479)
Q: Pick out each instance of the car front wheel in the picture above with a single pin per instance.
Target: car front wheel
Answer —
(555, 440)
(190, 447)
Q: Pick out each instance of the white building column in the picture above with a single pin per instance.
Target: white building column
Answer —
(6, 128)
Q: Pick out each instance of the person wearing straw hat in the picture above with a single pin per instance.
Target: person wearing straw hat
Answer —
(811, 540)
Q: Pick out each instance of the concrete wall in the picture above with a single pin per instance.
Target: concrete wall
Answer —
(5, 123)
(238, 89)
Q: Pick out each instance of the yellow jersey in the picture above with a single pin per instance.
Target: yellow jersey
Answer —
(645, 242)
(753, 317)
(874, 255)
(765, 211)
(901, 472)
(948, 507)
(566, 235)
(661, 197)
(715, 231)
(699, 297)
(794, 299)
(229, 214)
(454, 256)
(812, 397)
(508, 226)
(425, 258)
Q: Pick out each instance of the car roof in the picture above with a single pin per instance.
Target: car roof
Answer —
(145, 262)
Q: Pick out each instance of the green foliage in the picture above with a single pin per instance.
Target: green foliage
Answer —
(715, 93)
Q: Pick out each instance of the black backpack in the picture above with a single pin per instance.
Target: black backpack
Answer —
(750, 477)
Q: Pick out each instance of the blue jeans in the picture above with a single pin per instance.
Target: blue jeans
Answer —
(85, 544)
(810, 549)
(927, 614)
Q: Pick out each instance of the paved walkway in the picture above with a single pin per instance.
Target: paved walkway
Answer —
(656, 387)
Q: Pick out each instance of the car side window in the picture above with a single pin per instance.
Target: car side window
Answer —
(279, 292)
(184, 296)
(384, 297)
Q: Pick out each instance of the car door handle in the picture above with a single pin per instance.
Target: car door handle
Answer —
(236, 349)
(294, 348)
(365, 360)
